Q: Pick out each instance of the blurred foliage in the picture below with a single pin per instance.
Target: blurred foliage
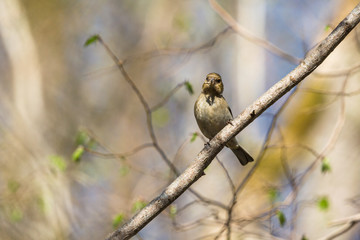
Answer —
(160, 117)
(189, 87)
(82, 138)
(173, 211)
(16, 214)
(323, 203)
(77, 154)
(124, 170)
(58, 162)
(138, 205)
(91, 40)
(13, 185)
(281, 218)
(41, 204)
(304, 237)
(118, 220)
(182, 21)
(273, 194)
(193, 137)
(325, 165)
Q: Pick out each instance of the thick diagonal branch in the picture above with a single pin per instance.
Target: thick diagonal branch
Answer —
(313, 59)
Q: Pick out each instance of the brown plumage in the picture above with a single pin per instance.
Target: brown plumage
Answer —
(212, 113)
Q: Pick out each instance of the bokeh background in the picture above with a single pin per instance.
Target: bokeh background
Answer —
(56, 94)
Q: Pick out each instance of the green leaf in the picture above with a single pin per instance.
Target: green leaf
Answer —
(13, 185)
(281, 217)
(173, 211)
(327, 27)
(304, 237)
(41, 204)
(323, 203)
(325, 165)
(118, 220)
(194, 136)
(91, 40)
(160, 117)
(138, 205)
(77, 154)
(124, 170)
(82, 138)
(189, 87)
(58, 162)
(16, 215)
(273, 194)
(182, 22)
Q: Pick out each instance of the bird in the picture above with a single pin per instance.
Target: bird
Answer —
(212, 113)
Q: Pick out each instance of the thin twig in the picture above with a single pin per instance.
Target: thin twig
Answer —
(231, 182)
(172, 51)
(250, 36)
(120, 155)
(167, 97)
(334, 135)
(347, 224)
(195, 224)
(266, 142)
(144, 103)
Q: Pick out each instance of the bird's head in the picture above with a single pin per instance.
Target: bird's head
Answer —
(213, 84)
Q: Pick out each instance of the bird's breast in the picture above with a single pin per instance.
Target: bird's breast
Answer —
(211, 116)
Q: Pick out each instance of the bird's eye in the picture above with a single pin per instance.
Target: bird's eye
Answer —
(218, 80)
(207, 79)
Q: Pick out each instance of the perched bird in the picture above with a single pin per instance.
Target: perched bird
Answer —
(212, 113)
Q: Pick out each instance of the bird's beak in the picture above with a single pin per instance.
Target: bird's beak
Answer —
(212, 81)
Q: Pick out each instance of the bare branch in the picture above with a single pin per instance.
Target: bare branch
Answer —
(334, 135)
(313, 59)
(250, 36)
(147, 109)
(120, 155)
(187, 51)
(231, 182)
(167, 97)
(348, 223)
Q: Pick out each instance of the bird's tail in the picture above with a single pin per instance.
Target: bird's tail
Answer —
(241, 154)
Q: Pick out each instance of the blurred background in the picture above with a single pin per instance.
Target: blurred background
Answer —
(65, 109)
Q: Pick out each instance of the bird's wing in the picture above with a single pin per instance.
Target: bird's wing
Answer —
(230, 112)
(228, 107)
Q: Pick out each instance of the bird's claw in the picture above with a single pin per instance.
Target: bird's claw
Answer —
(230, 122)
(207, 144)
